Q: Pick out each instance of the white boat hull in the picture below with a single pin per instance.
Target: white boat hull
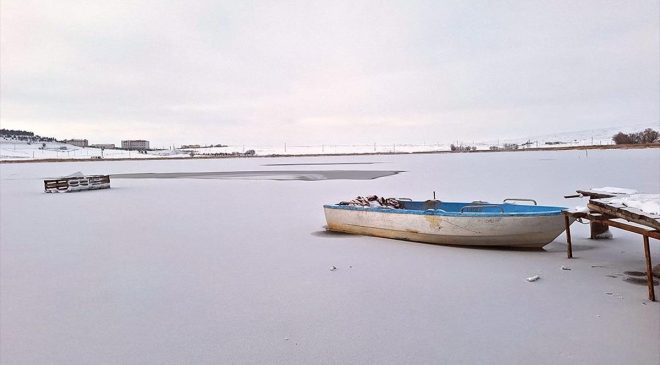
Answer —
(515, 231)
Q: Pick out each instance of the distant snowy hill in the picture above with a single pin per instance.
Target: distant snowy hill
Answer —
(23, 150)
(602, 136)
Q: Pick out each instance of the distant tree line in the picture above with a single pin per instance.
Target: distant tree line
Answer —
(462, 148)
(15, 132)
(648, 135)
(205, 146)
(247, 153)
(505, 147)
(21, 135)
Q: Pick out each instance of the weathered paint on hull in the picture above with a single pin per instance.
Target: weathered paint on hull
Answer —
(527, 232)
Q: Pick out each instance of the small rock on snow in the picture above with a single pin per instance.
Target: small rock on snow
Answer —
(533, 278)
(333, 268)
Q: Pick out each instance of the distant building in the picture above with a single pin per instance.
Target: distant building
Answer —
(135, 144)
(103, 145)
(76, 142)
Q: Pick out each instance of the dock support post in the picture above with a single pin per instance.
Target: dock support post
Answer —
(569, 248)
(599, 230)
(649, 270)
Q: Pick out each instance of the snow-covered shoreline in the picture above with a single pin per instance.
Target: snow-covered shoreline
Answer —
(16, 150)
(92, 154)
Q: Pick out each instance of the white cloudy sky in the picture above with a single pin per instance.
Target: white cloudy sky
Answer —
(317, 72)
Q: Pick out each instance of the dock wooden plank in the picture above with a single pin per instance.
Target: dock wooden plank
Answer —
(596, 194)
(630, 214)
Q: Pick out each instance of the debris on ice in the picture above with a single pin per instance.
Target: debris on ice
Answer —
(333, 268)
(565, 268)
(533, 278)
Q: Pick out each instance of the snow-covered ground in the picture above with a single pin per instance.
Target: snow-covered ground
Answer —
(330, 149)
(12, 150)
(214, 271)
(16, 150)
(589, 137)
(596, 137)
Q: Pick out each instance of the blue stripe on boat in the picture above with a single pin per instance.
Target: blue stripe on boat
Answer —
(453, 209)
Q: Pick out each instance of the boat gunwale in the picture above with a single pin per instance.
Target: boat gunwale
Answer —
(433, 212)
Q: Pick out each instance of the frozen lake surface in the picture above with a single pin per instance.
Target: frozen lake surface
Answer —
(210, 271)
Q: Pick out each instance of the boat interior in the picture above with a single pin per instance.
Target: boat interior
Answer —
(478, 207)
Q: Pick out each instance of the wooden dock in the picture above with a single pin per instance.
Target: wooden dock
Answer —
(604, 213)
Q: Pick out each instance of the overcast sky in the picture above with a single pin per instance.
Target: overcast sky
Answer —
(312, 72)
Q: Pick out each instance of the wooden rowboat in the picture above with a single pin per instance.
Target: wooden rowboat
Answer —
(451, 223)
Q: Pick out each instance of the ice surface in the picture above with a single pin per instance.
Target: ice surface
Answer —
(306, 175)
(208, 271)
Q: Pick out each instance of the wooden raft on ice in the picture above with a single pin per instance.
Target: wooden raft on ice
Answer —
(68, 184)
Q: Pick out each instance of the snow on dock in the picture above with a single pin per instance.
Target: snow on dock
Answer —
(647, 203)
